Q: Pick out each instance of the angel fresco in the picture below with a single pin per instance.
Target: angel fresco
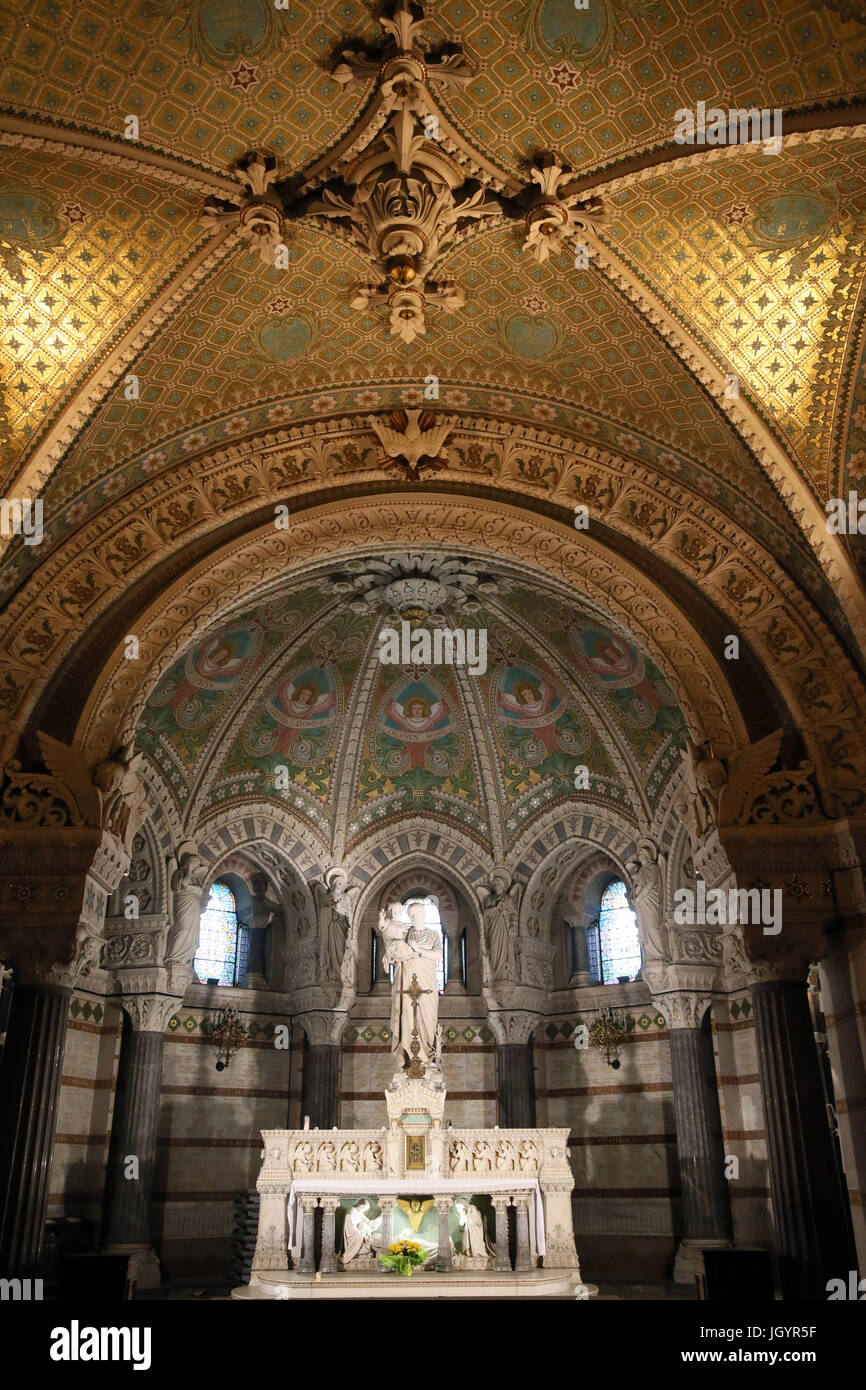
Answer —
(533, 715)
(190, 690)
(641, 692)
(419, 730)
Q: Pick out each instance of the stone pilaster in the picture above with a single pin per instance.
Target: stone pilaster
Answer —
(502, 1261)
(328, 1262)
(444, 1262)
(581, 975)
(523, 1258)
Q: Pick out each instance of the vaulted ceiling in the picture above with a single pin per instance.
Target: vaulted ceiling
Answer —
(608, 385)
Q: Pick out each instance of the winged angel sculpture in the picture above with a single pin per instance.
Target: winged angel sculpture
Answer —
(107, 793)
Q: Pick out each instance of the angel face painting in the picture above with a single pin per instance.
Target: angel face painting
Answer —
(417, 729)
(532, 715)
(193, 686)
(638, 688)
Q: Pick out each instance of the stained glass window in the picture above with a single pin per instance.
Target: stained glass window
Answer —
(216, 956)
(617, 935)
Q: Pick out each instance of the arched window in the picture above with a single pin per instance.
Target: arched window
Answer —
(216, 956)
(618, 943)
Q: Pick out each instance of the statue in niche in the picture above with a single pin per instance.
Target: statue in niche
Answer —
(647, 875)
(499, 906)
(473, 1240)
(362, 1233)
(372, 1157)
(459, 1156)
(187, 883)
(527, 1156)
(704, 777)
(415, 952)
(333, 929)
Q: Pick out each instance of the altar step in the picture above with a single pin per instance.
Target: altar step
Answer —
(274, 1286)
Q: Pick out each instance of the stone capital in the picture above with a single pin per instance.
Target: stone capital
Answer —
(321, 1026)
(513, 1025)
(149, 1013)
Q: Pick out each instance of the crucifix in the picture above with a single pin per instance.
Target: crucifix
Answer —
(415, 1069)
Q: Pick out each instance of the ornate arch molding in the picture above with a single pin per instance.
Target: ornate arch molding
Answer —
(424, 880)
(550, 875)
(426, 840)
(266, 825)
(246, 566)
(422, 862)
(42, 625)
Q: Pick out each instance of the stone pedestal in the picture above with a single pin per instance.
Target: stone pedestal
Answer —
(812, 1232)
(29, 1091)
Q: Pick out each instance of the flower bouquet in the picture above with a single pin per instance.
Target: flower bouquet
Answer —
(403, 1256)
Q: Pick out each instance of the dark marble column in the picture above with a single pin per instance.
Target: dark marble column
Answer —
(126, 1210)
(700, 1150)
(516, 1085)
(29, 1091)
(320, 1084)
(523, 1260)
(812, 1233)
(328, 1262)
(307, 1261)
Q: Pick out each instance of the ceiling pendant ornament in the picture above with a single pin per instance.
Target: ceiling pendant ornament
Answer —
(413, 585)
(403, 185)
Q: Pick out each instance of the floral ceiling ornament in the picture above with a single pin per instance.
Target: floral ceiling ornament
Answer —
(414, 585)
(404, 185)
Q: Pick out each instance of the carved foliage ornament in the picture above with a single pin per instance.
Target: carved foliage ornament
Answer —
(397, 185)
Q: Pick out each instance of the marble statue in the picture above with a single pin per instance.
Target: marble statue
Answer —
(187, 883)
(332, 932)
(413, 951)
(362, 1233)
(499, 906)
(474, 1242)
(647, 874)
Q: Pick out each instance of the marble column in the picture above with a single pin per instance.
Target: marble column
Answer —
(581, 976)
(29, 1092)
(126, 1212)
(381, 977)
(328, 1262)
(515, 1066)
(812, 1232)
(386, 1206)
(523, 1260)
(444, 1262)
(455, 978)
(706, 1203)
(502, 1261)
(307, 1262)
(320, 1084)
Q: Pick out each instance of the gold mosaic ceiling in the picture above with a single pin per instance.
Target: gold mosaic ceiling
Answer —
(758, 259)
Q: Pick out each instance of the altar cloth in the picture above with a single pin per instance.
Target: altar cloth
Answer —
(470, 1184)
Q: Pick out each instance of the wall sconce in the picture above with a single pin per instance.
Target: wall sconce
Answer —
(228, 1032)
(606, 1032)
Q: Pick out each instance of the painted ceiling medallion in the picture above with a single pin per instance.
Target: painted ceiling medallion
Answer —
(404, 185)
